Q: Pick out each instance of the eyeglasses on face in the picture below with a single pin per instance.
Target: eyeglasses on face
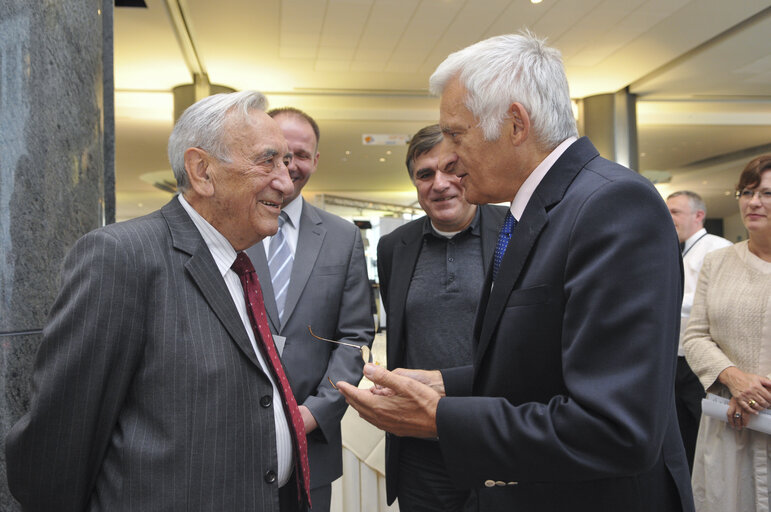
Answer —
(747, 194)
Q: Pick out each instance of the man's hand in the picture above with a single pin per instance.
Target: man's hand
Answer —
(408, 409)
(308, 419)
(431, 378)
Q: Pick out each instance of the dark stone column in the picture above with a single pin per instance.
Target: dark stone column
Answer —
(52, 169)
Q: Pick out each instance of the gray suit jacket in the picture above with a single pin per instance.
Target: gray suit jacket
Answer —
(146, 392)
(330, 291)
(397, 255)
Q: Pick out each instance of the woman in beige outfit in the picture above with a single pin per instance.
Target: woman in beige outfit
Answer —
(728, 346)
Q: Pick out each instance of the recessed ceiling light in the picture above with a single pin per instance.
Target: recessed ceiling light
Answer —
(382, 159)
(347, 152)
(535, 1)
(388, 152)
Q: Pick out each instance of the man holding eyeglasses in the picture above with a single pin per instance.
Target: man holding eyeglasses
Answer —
(569, 404)
(317, 278)
(688, 213)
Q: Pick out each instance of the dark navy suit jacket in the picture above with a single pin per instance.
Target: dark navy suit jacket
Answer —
(569, 404)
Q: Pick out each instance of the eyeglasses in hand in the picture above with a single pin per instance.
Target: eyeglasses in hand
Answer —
(366, 353)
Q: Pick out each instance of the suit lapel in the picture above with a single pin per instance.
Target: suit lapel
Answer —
(311, 236)
(256, 253)
(534, 219)
(489, 236)
(405, 257)
(206, 275)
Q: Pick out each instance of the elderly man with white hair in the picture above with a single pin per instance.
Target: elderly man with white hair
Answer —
(569, 403)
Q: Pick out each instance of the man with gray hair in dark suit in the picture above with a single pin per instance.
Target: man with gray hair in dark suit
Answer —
(157, 385)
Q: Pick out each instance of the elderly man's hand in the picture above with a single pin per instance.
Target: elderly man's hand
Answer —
(409, 409)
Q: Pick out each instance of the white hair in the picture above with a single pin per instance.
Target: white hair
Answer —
(512, 68)
(202, 125)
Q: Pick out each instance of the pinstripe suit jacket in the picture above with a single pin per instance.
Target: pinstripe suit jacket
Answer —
(146, 392)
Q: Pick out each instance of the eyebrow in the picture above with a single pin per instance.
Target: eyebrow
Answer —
(268, 154)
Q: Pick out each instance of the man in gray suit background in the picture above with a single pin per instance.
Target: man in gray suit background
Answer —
(151, 390)
(318, 278)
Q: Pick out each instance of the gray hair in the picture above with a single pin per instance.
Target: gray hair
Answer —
(694, 200)
(420, 143)
(512, 68)
(202, 125)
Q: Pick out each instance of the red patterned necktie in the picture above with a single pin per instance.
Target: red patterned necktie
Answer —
(256, 309)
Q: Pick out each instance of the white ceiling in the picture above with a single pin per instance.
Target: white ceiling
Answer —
(701, 70)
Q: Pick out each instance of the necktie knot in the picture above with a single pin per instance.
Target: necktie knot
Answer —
(242, 265)
(282, 218)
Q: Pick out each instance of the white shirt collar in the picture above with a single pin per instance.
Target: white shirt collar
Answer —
(693, 239)
(294, 210)
(525, 192)
(223, 253)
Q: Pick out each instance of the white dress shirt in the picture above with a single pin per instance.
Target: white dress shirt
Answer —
(224, 255)
(696, 247)
(525, 192)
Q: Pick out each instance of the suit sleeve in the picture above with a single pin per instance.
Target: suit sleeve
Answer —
(354, 325)
(90, 347)
(618, 296)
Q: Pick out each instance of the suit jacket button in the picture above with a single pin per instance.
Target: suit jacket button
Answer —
(500, 484)
(513, 483)
(266, 400)
(489, 483)
(270, 476)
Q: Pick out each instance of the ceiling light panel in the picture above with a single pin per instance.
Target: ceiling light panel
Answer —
(344, 22)
(623, 30)
(132, 46)
(429, 22)
(519, 15)
(386, 24)
(301, 23)
(469, 26)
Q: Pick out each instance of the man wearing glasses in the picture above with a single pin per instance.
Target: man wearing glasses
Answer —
(569, 404)
(688, 213)
(431, 272)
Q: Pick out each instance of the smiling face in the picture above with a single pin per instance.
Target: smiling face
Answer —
(302, 143)
(756, 214)
(441, 195)
(489, 171)
(243, 197)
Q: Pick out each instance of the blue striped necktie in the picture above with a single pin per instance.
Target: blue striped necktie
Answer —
(503, 241)
(280, 262)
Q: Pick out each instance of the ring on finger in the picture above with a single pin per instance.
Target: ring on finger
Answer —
(751, 403)
(737, 416)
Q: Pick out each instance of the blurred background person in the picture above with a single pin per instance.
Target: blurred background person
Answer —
(431, 272)
(688, 213)
(728, 345)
